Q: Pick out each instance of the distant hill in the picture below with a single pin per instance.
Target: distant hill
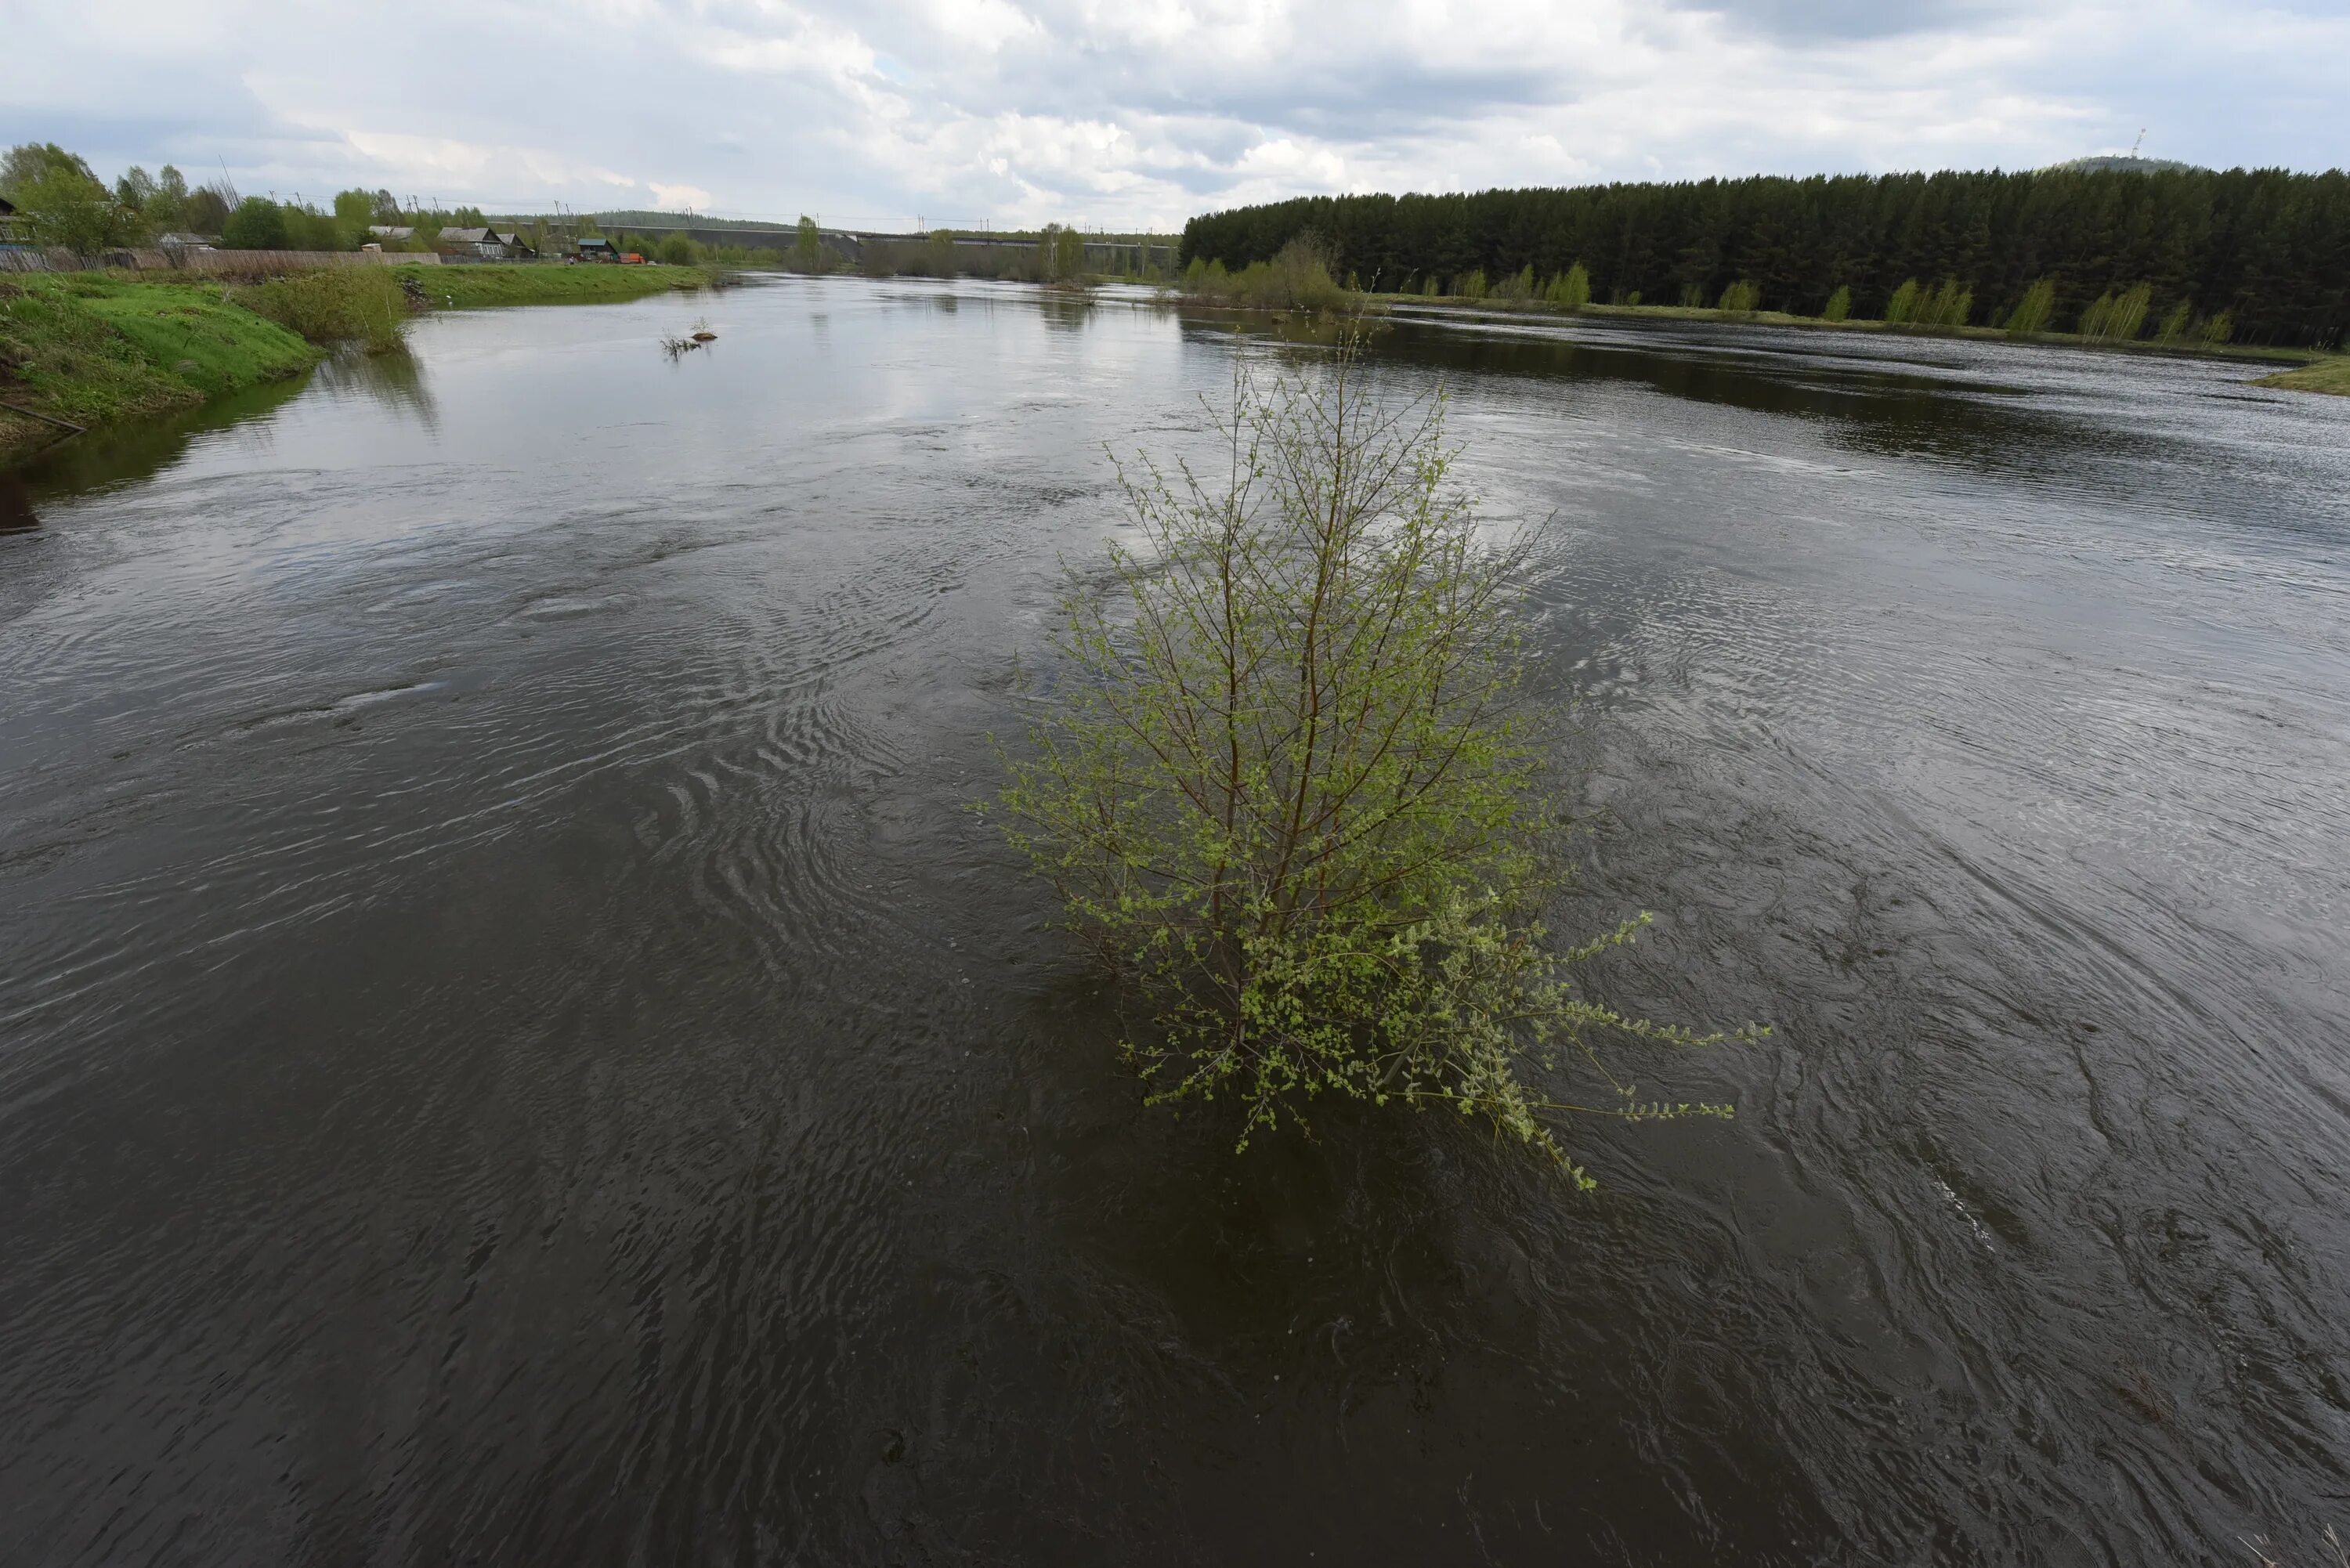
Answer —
(2122, 163)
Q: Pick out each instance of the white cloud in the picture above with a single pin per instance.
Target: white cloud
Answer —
(1144, 111)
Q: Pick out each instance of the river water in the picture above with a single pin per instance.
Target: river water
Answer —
(512, 1051)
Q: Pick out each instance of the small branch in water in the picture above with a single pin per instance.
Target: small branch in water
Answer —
(36, 414)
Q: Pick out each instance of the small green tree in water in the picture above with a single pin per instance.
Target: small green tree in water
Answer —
(1291, 786)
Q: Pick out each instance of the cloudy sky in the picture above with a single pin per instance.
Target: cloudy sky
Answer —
(1141, 112)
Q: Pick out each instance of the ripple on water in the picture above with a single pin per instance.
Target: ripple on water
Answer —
(511, 1045)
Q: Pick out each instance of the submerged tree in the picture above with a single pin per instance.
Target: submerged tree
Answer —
(1293, 791)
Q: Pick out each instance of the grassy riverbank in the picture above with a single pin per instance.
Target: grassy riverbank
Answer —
(102, 348)
(93, 349)
(2331, 374)
(460, 287)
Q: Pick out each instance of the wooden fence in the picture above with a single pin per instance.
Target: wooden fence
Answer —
(33, 258)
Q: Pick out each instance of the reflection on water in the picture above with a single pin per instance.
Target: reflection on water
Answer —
(126, 453)
(16, 514)
(512, 1047)
(394, 382)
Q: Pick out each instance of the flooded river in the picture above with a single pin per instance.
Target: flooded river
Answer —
(511, 1049)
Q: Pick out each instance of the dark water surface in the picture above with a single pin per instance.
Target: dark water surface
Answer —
(511, 1052)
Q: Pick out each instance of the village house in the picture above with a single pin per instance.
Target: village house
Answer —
(484, 245)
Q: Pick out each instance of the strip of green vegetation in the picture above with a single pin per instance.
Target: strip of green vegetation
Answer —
(2325, 375)
(93, 350)
(98, 348)
(542, 282)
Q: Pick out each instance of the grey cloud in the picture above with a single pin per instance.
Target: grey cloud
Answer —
(1830, 21)
(1778, 85)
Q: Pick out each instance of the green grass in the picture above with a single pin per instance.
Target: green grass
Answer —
(96, 350)
(546, 282)
(2329, 375)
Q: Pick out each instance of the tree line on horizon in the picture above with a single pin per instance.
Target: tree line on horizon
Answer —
(2269, 249)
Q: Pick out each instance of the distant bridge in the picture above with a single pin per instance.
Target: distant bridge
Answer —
(851, 243)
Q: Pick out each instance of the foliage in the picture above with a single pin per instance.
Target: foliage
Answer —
(2218, 329)
(1470, 285)
(807, 246)
(1297, 279)
(2035, 310)
(160, 200)
(2174, 325)
(2116, 319)
(1518, 286)
(135, 189)
(1571, 291)
(1291, 792)
(1839, 305)
(257, 224)
(28, 162)
(1740, 299)
(1903, 304)
(63, 203)
(207, 211)
(334, 305)
(2268, 246)
(1949, 306)
(355, 210)
(1063, 252)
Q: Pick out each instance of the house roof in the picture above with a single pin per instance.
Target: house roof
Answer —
(6, 205)
(392, 230)
(468, 237)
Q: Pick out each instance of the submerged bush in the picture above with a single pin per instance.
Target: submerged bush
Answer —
(1293, 792)
(334, 305)
(1298, 278)
(1839, 305)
